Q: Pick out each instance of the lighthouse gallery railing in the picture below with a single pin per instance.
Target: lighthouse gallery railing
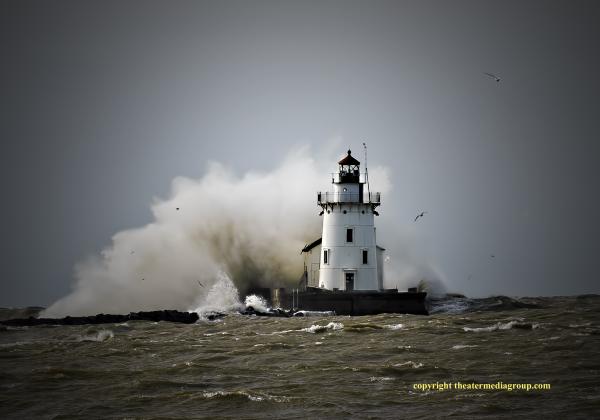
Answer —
(346, 197)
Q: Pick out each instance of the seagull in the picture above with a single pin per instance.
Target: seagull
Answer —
(420, 215)
(493, 256)
(200, 283)
(493, 76)
(177, 208)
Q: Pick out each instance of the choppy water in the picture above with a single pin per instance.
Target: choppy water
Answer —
(314, 367)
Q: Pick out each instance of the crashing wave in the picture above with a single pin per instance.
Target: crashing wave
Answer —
(98, 336)
(221, 298)
(499, 326)
(257, 303)
(257, 397)
(313, 329)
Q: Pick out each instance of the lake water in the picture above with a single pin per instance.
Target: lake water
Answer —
(315, 367)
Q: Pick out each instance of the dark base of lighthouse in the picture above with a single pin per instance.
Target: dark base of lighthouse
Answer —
(354, 303)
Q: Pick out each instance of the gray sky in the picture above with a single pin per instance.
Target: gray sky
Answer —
(103, 103)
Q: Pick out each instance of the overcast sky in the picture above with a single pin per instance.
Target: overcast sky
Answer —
(103, 103)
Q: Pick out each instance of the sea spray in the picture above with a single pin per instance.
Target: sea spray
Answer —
(250, 227)
(257, 303)
(222, 297)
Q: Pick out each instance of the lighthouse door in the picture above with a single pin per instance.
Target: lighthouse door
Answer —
(349, 282)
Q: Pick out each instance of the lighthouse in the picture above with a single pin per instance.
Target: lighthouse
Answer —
(346, 257)
(343, 269)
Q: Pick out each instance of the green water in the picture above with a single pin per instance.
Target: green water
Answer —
(314, 367)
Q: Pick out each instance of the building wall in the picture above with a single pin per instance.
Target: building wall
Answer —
(312, 262)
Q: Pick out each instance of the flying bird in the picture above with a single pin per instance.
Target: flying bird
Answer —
(493, 76)
(177, 208)
(200, 283)
(420, 215)
(132, 252)
(493, 256)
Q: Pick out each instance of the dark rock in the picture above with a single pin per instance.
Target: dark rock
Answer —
(211, 316)
(271, 312)
(156, 316)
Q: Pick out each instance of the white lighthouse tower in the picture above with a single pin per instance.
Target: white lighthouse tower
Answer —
(349, 256)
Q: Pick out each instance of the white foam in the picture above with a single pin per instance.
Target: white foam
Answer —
(394, 327)
(249, 396)
(409, 363)
(279, 332)
(257, 302)
(100, 336)
(314, 313)
(503, 326)
(380, 379)
(463, 346)
(320, 328)
(481, 329)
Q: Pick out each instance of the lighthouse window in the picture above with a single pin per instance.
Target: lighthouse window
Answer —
(349, 235)
(325, 256)
(365, 256)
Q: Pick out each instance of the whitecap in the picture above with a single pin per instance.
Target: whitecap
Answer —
(482, 329)
(313, 329)
(99, 336)
(394, 327)
(380, 379)
(279, 332)
(216, 333)
(249, 396)
(314, 313)
(555, 337)
(463, 346)
(504, 326)
(409, 363)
